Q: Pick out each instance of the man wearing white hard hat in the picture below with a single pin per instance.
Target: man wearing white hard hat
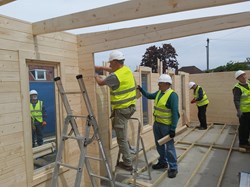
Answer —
(123, 99)
(38, 115)
(201, 100)
(166, 116)
(241, 92)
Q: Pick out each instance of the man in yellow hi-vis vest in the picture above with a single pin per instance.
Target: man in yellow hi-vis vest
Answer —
(241, 92)
(123, 99)
(38, 115)
(166, 114)
(201, 100)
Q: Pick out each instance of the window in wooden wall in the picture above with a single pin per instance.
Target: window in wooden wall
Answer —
(41, 79)
(145, 103)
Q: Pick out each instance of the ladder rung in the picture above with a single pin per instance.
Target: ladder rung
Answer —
(100, 177)
(94, 158)
(74, 137)
(77, 116)
(67, 165)
(76, 92)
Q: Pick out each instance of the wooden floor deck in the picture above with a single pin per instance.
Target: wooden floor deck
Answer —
(205, 158)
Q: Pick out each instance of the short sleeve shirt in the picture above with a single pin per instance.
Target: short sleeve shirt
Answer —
(112, 81)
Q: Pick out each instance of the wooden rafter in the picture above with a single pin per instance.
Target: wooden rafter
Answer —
(121, 12)
(3, 2)
(101, 41)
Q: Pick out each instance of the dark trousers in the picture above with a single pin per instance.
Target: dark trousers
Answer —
(202, 116)
(244, 128)
(37, 134)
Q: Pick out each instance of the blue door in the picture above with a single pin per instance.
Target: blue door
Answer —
(46, 93)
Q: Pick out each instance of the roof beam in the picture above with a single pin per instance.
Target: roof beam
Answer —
(3, 2)
(103, 41)
(128, 10)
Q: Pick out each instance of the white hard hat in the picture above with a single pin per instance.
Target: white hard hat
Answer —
(33, 92)
(191, 84)
(116, 55)
(165, 78)
(238, 73)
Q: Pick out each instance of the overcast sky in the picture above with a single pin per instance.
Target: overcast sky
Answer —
(224, 46)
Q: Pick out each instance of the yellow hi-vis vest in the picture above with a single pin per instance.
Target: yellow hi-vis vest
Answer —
(204, 100)
(125, 95)
(162, 114)
(245, 98)
(36, 112)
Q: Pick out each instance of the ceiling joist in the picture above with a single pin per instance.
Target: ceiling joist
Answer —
(128, 10)
(103, 41)
(3, 2)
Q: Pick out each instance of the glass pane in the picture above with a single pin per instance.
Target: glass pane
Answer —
(144, 80)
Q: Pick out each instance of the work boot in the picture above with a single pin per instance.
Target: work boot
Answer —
(160, 166)
(202, 128)
(125, 167)
(172, 173)
(245, 146)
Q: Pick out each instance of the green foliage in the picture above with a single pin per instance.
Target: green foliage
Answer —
(233, 66)
(166, 54)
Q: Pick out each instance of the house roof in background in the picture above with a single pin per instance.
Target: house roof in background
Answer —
(190, 69)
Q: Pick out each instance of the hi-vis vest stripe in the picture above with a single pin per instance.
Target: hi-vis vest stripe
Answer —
(162, 114)
(245, 98)
(125, 95)
(36, 112)
(204, 100)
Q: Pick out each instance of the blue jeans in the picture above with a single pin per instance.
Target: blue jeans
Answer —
(166, 151)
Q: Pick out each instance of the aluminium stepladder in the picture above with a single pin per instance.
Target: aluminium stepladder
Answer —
(135, 151)
(83, 141)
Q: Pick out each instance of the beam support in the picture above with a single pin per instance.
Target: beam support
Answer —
(108, 40)
(3, 2)
(128, 10)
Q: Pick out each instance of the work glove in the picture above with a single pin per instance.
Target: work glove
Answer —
(171, 134)
(193, 101)
(239, 113)
(44, 123)
(139, 88)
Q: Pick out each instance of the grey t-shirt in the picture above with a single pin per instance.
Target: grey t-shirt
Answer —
(112, 81)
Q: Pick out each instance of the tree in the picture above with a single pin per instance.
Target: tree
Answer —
(233, 66)
(166, 54)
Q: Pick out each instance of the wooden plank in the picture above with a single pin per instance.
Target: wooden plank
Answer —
(3, 2)
(57, 40)
(107, 36)
(121, 12)
(9, 76)
(167, 138)
(11, 128)
(6, 66)
(18, 174)
(10, 139)
(16, 35)
(10, 108)
(10, 97)
(7, 87)
(7, 55)
(15, 24)
(156, 33)
(10, 118)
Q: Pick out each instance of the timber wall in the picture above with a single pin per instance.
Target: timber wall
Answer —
(18, 49)
(218, 87)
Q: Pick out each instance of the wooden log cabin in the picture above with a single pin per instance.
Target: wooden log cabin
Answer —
(44, 45)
